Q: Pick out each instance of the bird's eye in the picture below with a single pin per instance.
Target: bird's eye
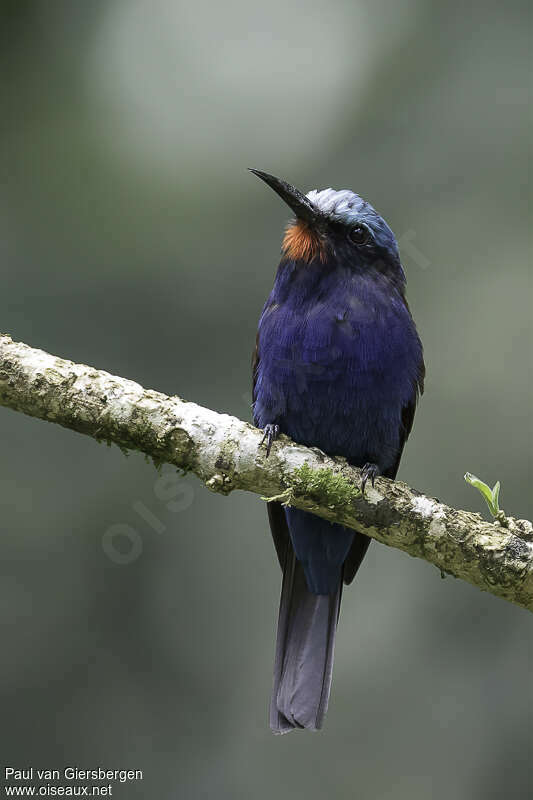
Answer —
(359, 234)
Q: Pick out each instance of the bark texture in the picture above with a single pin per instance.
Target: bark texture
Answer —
(225, 454)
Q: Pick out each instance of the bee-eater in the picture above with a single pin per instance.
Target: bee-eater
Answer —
(338, 365)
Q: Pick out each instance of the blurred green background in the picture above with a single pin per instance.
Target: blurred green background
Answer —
(133, 239)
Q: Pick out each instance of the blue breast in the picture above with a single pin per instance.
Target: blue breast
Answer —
(338, 360)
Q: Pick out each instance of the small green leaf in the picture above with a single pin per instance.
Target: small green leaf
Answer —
(491, 496)
(482, 487)
(496, 497)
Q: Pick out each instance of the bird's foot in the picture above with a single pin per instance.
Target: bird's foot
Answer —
(369, 472)
(270, 434)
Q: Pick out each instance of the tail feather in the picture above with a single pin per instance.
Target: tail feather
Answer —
(304, 652)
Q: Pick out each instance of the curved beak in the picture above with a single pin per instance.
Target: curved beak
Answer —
(300, 204)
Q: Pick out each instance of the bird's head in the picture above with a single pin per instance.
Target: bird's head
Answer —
(336, 227)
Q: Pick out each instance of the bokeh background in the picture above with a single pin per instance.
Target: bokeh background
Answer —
(133, 239)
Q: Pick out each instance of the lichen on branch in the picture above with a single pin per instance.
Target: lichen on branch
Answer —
(225, 453)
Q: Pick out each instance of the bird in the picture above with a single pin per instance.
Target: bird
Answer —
(338, 365)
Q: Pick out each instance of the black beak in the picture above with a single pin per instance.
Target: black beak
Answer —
(302, 207)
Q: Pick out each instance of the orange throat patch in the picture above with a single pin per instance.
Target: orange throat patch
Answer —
(301, 243)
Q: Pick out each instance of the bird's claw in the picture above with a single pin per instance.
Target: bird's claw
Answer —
(369, 471)
(270, 434)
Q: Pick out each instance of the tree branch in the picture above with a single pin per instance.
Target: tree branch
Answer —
(224, 452)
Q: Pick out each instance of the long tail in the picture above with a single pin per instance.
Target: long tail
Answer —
(304, 652)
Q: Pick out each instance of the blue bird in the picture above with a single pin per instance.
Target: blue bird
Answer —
(338, 365)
